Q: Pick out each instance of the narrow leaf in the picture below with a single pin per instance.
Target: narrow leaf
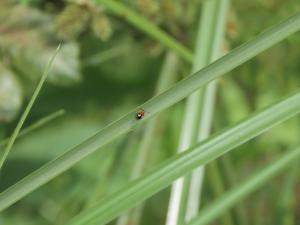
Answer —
(147, 27)
(27, 109)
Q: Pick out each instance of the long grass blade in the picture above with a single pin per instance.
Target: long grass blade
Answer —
(152, 30)
(27, 109)
(198, 111)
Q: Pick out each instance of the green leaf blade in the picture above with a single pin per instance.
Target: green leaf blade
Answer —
(27, 109)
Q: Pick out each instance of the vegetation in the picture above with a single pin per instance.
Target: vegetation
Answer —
(82, 156)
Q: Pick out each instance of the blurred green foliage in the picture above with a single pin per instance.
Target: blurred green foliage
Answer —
(105, 68)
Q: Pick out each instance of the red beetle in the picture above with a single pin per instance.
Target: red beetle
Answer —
(140, 114)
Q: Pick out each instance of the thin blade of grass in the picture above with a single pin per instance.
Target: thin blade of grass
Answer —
(201, 154)
(151, 107)
(36, 125)
(236, 194)
(106, 55)
(27, 109)
(144, 25)
(185, 192)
